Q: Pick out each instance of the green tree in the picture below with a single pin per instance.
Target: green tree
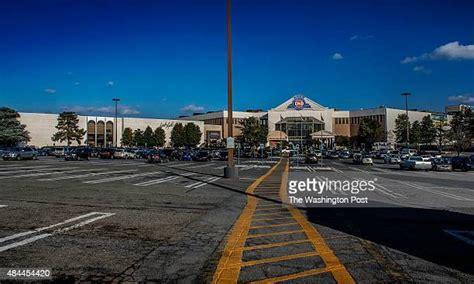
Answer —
(68, 128)
(401, 124)
(159, 137)
(370, 131)
(148, 137)
(342, 140)
(415, 133)
(460, 130)
(138, 138)
(178, 135)
(192, 134)
(12, 131)
(127, 137)
(441, 136)
(253, 133)
(428, 130)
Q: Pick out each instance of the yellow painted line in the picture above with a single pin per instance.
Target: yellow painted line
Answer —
(306, 273)
(268, 208)
(279, 258)
(275, 234)
(228, 268)
(279, 244)
(340, 275)
(268, 219)
(273, 225)
(270, 214)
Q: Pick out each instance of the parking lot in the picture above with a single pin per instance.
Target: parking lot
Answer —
(115, 220)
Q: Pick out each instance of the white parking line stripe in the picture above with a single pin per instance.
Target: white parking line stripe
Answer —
(15, 236)
(21, 168)
(453, 196)
(86, 175)
(30, 170)
(48, 173)
(220, 168)
(208, 182)
(58, 231)
(3, 206)
(155, 181)
(121, 177)
(201, 166)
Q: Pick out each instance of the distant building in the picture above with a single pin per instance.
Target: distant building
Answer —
(299, 119)
(100, 129)
(452, 110)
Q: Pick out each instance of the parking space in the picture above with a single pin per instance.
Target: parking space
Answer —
(128, 220)
(94, 220)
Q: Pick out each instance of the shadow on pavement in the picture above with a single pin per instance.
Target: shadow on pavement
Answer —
(418, 232)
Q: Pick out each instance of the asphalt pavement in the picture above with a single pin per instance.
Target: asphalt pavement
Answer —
(127, 220)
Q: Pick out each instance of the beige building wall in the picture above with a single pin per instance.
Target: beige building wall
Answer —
(42, 126)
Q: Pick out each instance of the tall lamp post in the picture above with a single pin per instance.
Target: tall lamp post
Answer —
(116, 100)
(230, 171)
(406, 95)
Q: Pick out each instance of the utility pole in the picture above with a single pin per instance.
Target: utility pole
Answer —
(408, 119)
(116, 100)
(230, 171)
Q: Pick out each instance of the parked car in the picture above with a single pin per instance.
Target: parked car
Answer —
(311, 158)
(461, 163)
(20, 153)
(186, 156)
(416, 163)
(106, 153)
(78, 154)
(59, 152)
(223, 155)
(202, 156)
(442, 164)
(392, 159)
(332, 155)
(344, 155)
(157, 156)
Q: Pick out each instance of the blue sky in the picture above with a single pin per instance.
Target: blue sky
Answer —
(167, 58)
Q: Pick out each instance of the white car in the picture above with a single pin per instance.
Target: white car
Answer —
(392, 159)
(416, 163)
(367, 160)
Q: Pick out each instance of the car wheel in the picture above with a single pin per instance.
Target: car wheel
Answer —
(18, 158)
(35, 157)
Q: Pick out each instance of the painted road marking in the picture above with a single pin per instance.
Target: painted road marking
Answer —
(55, 232)
(465, 236)
(3, 206)
(445, 194)
(202, 183)
(86, 175)
(110, 179)
(157, 181)
(10, 168)
(32, 170)
(49, 173)
(165, 179)
(201, 166)
(231, 262)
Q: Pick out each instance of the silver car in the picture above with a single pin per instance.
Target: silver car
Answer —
(416, 163)
(20, 153)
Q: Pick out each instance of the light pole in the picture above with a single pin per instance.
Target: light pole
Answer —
(230, 171)
(406, 95)
(116, 100)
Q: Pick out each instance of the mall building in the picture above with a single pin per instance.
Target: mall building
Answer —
(296, 120)
(299, 119)
(100, 130)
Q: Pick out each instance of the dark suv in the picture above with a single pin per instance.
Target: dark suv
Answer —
(461, 163)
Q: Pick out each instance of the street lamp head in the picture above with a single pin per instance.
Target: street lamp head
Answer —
(115, 99)
(406, 94)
